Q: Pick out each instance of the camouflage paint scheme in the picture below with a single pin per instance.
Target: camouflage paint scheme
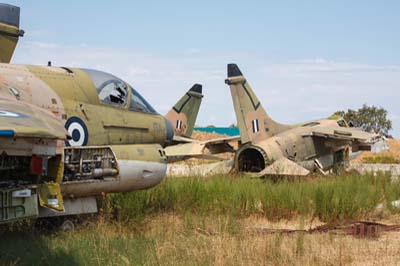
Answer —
(70, 133)
(270, 148)
(182, 118)
(72, 93)
(184, 113)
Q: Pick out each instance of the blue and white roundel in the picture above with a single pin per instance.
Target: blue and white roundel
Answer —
(78, 131)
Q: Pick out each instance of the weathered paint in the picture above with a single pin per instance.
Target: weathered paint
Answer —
(184, 113)
(66, 95)
(265, 142)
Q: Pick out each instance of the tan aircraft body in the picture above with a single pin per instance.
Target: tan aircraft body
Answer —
(70, 134)
(270, 148)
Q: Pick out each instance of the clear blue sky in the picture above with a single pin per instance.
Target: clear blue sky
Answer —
(305, 59)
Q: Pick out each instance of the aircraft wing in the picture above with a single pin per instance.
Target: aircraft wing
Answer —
(18, 119)
(345, 133)
(359, 139)
(185, 149)
(221, 145)
(179, 140)
(203, 149)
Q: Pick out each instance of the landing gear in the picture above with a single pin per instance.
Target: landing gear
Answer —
(67, 225)
(52, 224)
(340, 161)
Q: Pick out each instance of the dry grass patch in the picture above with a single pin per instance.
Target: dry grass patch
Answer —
(173, 239)
(197, 221)
(390, 156)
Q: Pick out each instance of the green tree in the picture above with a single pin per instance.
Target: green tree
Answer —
(369, 118)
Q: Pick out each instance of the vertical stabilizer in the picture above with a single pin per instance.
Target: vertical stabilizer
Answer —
(253, 122)
(184, 113)
(9, 31)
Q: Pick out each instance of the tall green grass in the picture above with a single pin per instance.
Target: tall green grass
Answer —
(331, 198)
(212, 205)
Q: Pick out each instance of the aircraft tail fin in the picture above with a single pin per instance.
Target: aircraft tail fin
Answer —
(253, 122)
(9, 31)
(184, 113)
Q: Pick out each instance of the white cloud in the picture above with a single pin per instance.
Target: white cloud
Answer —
(292, 91)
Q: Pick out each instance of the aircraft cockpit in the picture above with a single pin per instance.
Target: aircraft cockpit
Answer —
(342, 123)
(115, 92)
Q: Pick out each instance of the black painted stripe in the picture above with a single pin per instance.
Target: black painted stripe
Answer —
(183, 105)
(255, 106)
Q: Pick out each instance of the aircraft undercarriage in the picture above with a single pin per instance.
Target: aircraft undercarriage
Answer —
(66, 181)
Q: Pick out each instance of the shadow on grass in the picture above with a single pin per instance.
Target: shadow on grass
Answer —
(27, 248)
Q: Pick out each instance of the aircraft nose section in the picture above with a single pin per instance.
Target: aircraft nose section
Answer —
(170, 131)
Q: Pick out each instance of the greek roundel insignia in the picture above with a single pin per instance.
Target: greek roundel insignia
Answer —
(78, 132)
(255, 126)
(178, 124)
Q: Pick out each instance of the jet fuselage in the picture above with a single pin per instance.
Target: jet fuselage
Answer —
(296, 144)
(96, 108)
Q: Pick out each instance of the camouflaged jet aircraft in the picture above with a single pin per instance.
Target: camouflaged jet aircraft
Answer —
(270, 148)
(70, 134)
(183, 116)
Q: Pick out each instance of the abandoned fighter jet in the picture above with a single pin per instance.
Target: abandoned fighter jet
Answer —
(182, 117)
(69, 134)
(270, 148)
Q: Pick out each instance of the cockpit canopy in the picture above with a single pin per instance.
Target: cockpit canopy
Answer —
(114, 91)
(342, 123)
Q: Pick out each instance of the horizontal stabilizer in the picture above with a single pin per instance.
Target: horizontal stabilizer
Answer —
(190, 148)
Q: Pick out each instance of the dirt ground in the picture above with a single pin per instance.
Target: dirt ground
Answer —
(216, 240)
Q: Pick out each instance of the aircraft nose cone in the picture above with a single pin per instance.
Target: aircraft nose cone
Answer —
(170, 131)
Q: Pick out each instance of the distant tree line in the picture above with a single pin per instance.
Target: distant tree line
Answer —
(369, 118)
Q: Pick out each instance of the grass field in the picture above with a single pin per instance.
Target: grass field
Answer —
(192, 221)
(332, 198)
